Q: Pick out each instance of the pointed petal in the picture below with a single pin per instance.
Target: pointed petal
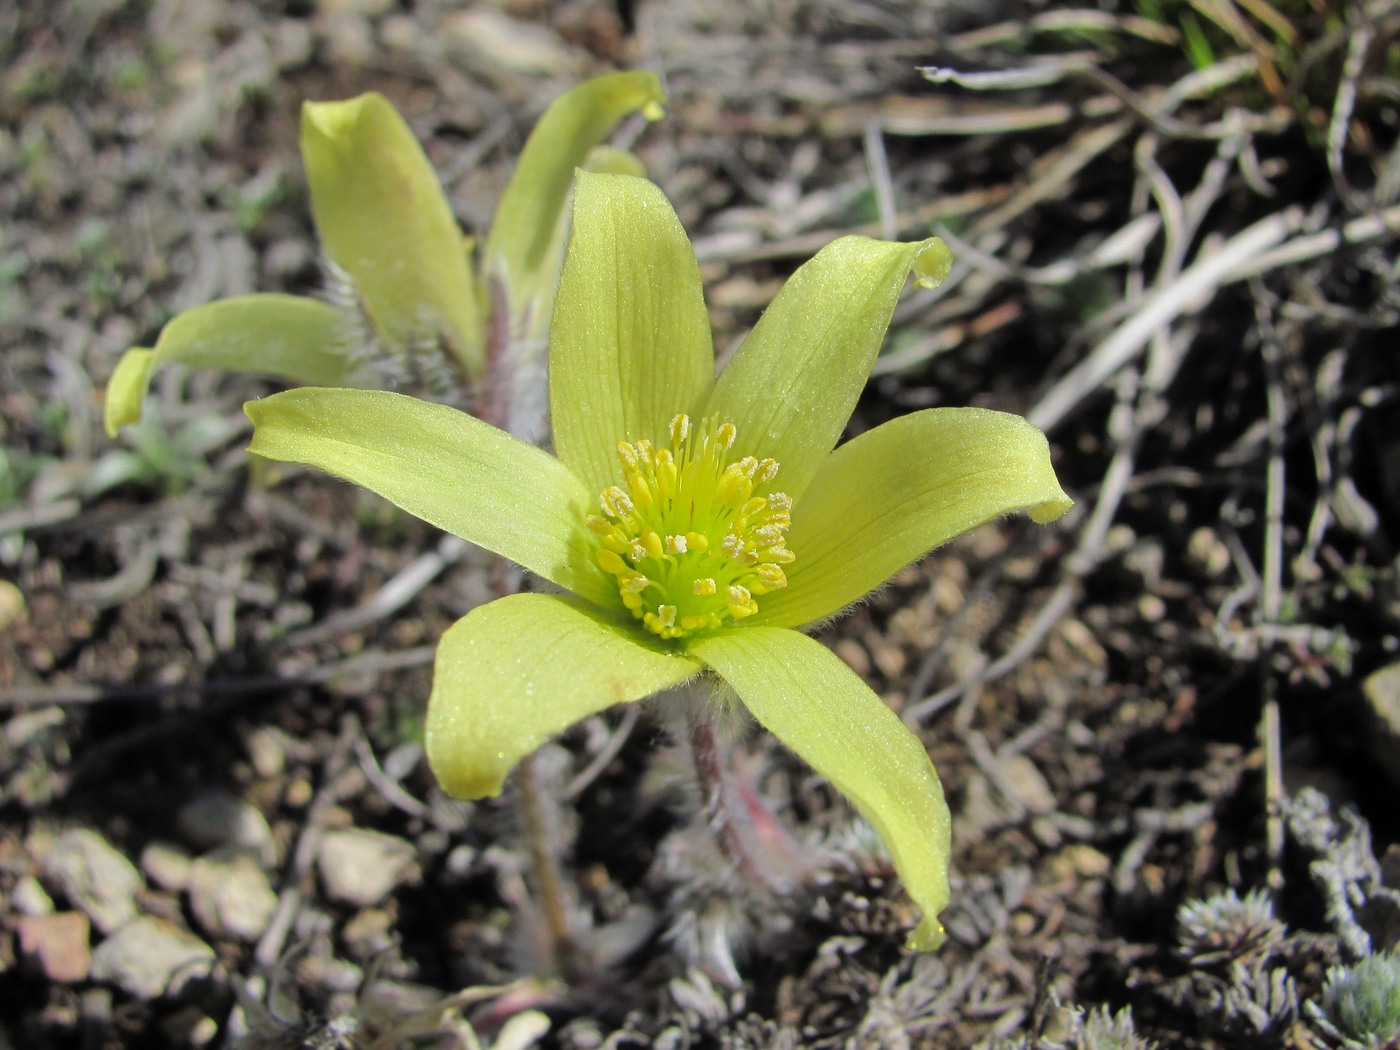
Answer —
(512, 674)
(893, 494)
(794, 382)
(527, 236)
(384, 220)
(630, 344)
(805, 696)
(446, 467)
(302, 340)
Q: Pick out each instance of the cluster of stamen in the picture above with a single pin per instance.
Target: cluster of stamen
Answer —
(692, 538)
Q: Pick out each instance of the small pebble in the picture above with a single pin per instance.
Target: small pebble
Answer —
(368, 933)
(360, 867)
(166, 865)
(268, 756)
(29, 897)
(148, 958)
(1380, 694)
(94, 876)
(217, 819)
(1029, 784)
(230, 896)
(56, 945)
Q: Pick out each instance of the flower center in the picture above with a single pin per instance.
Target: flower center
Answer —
(692, 538)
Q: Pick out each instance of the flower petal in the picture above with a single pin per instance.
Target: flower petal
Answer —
(446, 467)
(630, 343)
(514, 673)
(793, 384)
(384, 220)
(527, 236)
(286, 336)
(891, 495)
(805, 696)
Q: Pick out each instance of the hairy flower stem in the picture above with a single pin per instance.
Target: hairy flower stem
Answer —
(561, 950)
(716, 804)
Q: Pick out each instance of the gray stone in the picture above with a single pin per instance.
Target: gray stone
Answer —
(217, 819)
(29, 897)
(1381, 694)
(150, 957)
(94, 876)
(167, 865)
(360, 867)
(230, 896)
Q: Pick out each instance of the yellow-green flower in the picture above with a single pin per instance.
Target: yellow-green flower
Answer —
(432, 311)
(698, 523)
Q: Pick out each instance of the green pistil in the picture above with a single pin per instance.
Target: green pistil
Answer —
(693, 540)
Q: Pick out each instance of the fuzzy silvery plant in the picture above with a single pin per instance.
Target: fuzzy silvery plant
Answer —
(692, 526)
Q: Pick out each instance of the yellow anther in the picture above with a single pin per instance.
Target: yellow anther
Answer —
(652, 542)
(741, 602)
(641, 490)
(611, 563)
(616, 503)
(768, 535)
(666, 474)
(770, 577)
(753, 506)
(706, 528)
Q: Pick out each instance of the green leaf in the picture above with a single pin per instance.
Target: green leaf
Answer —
(891, 495)
(804, 695)
(527, 236)
(446, 467)
(794, 382)
(292, 338)
(514, 673)
(630, 344)
(384, 220)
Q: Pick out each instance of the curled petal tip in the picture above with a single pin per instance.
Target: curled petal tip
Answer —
(334, 119)
(1050, 510)
(927, 936)
(933, 263)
